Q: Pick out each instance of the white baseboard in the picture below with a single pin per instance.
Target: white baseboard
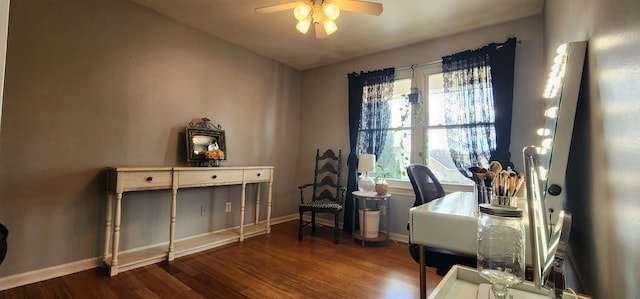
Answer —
(34, 276)
(329, 222)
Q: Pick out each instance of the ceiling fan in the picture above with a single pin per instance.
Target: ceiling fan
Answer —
(322, 13)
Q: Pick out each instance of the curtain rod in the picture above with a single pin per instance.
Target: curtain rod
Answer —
(415, 66)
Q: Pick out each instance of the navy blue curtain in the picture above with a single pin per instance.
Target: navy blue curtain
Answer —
(366, 91)
(503, 57)
(376, 111)
(478, 86)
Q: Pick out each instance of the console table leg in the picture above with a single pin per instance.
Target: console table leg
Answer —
(257, 203)
(107, 227)
(172, 224)
(116, 235)
(269, 204)
(244, 191)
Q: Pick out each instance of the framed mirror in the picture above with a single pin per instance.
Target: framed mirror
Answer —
(203, 139)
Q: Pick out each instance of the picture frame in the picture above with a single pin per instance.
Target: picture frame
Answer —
(201, 137)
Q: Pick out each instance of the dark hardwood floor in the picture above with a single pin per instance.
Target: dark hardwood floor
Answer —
(267, 266)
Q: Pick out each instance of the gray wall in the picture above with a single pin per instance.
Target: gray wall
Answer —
(99, 83)
(602, 180)
(324, 106)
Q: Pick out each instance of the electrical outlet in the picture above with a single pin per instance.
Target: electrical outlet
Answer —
(227, 208)
(203, 211)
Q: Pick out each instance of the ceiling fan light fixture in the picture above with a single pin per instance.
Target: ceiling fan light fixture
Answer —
(321, 13)
(331, 11)
(302, 12)
(303, 25)
(329, 26)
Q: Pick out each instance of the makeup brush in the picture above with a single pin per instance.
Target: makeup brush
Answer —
(504, 184)
(490, 179)
(495, 166)
(519, 183)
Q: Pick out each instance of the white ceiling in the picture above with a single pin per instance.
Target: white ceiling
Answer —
(403, 22)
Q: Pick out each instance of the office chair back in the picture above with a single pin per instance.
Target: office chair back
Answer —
(425, 184)
(4, 232)
(427, 188)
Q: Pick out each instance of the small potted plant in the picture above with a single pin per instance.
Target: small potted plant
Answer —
(414, 96)
(382, 187)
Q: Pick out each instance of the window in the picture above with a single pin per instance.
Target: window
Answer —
(439, 158)
(420, 128)
(397, 147)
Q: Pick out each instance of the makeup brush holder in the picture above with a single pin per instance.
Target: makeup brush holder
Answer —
(489, 195)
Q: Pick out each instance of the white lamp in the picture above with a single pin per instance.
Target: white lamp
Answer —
(366, 163)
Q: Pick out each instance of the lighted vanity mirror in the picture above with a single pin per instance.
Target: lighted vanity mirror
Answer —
(203, 137)
(549, 240)
(561, 92)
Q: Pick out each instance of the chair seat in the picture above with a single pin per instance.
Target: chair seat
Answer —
(322, 204)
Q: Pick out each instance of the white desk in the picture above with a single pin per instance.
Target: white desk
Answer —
(126, 179)
(451, 223)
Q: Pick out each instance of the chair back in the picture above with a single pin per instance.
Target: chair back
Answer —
(4, 232)
(425, 184)
(326, 180)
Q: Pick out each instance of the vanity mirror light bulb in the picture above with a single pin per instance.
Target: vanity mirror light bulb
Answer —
(542, 150)
(562, 49)
(551, 112)
(562, 71)
(559, 59)
(543, 132)
(547, 143)
(548, 92)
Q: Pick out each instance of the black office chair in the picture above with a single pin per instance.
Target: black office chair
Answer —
(327, 195)
(427, 188)
(4, 232)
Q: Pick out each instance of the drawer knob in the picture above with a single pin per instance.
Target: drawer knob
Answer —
(214, 177)
(258, 174)
(149, 178)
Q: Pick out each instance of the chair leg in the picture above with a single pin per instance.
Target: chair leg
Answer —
(313, 223)
(300, 225)
(336, 230)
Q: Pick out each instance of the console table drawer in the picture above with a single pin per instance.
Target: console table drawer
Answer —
(209, 177)
(144, 180)
(257, 175)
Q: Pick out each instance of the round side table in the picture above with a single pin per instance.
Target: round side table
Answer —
(360, 200)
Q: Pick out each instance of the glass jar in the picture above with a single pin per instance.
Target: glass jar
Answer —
(501, 246)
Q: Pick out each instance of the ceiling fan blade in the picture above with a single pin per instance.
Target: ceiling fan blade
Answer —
(279, 7)
(371, 8)
(320, 33)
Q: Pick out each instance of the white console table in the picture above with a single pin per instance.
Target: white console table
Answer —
(127, 179)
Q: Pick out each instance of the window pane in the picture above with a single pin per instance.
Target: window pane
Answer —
(440, 161)
(395, 155)
(397, 149)
(436, 100)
